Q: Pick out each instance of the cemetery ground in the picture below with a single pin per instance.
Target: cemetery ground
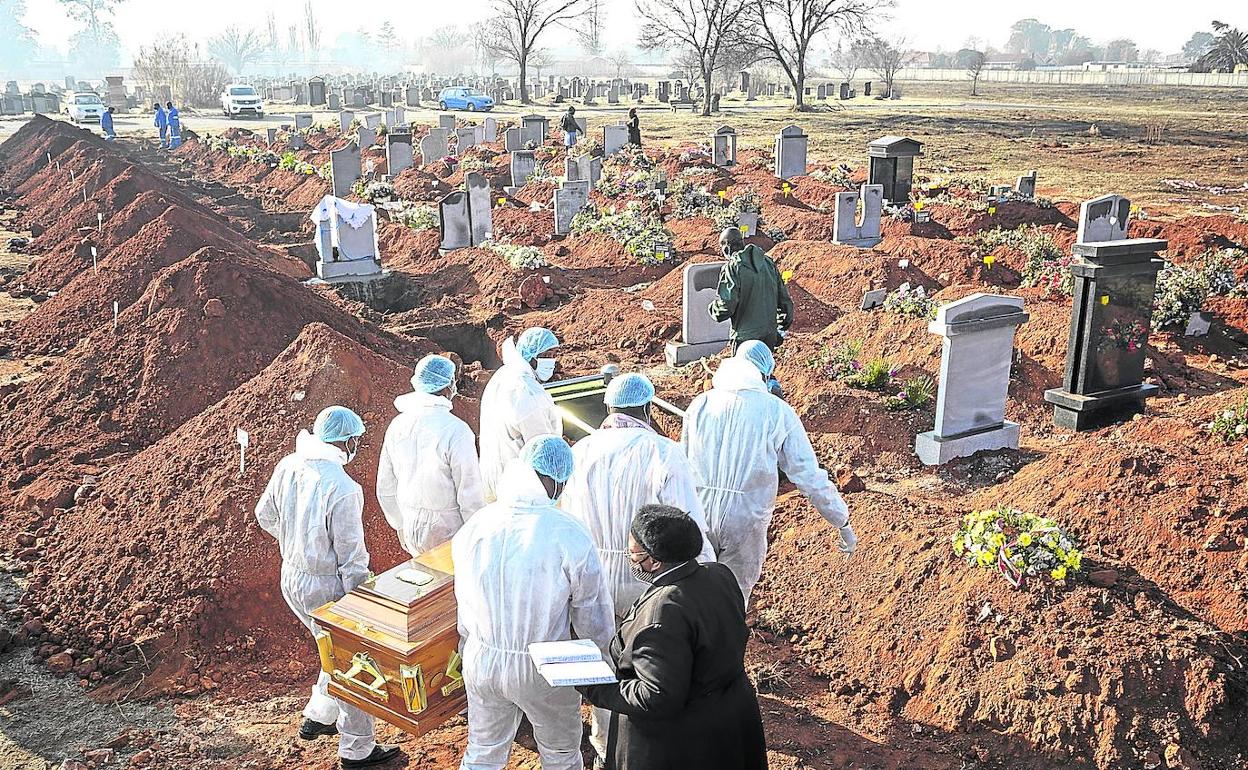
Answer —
(165, 640)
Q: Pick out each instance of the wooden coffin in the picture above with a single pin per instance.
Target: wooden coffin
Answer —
(390, 646)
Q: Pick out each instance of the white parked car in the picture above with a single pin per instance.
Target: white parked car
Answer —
(241, 99)
(84, 107)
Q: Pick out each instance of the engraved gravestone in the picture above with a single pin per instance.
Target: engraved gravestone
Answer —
(848, 229)
(490, 127)
(790, 152)
(345, 118)
(724, 146)
(399, 154)
(366, 136)
(465, 137)
(523, 164)
(303, 120)
(513, 140)
(569, 199)
(372, 120)
(583, 168)
(344, 168)
(433, 145)
(533, 129)
(701, 335)
(480, 216)
(978, 347)
(1110, 319)
(1103, 219)
(614, 137)
(1026, 185)
(446, 122)
(455, 224)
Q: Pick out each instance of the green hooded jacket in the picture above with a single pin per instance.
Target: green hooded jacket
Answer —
(753, 297)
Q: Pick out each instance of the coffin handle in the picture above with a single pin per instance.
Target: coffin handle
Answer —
(363, 663)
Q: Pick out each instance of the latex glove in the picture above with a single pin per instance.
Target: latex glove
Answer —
(847, 541)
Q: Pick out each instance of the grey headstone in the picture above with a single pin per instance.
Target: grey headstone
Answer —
(399, 153)
(724, 146)
(366, 136)
(569, 199)
(433, 145)
(344, 165)
(447, 122)
(747, 222)
(978, 336)
(345, 118)
(372, 120)
(1026, 185)
(847, 228)
(465, 136)
(347, 253)
(700, 289)
(1198, 325)
(303, 120)
(513, 140)
(873, 299)
(270, 136)
(479, 212)
(790, 152)
(455, 222)
(583, 168)
(614, 137)
(1103, 219)
(522, 166)
(534, 128)
(490, 127)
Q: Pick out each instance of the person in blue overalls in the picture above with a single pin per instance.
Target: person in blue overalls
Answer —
(161, 123)
(106, 125)
(175, 126)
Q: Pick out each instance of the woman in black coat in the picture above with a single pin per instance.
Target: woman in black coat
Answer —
(683, 700)
(634, 127)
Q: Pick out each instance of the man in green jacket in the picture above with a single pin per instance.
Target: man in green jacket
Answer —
(751, 294)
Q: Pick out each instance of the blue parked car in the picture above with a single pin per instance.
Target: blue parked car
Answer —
(460, 98)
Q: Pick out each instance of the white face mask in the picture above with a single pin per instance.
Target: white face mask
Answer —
(545, 369)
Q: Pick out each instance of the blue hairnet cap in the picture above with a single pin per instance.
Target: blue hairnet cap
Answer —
(337, 423)
(534, 342)
(627, 390)
(759, 354)
(549, 455)
(433, 373)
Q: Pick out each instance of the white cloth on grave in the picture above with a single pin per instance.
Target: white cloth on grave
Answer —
(354, 214)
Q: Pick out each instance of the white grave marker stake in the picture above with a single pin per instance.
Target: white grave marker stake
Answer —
(84, 195)
(116, 312)
(72, 178)
(99, 218)
(49, 157)
(94, 265)
(243, 440)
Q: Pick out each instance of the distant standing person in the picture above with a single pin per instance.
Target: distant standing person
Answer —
(634, 127)
(106, 125)
(161, 122)
(175, 125)
(571, 129)
(752, 296)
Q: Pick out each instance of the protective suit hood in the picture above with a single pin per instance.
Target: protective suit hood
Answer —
(310, 447)
(512, 356)
(414, 401)
(519, 486)
(737, 374)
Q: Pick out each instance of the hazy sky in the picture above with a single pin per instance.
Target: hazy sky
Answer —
(927, 24)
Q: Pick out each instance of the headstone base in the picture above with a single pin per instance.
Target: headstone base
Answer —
(349, 271)
(936, 450)
(860, 243)
(1079, 413)
(681, 353)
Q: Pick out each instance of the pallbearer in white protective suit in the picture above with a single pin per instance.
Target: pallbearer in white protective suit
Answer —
(526, 572)
(736, 436)
(617, 470)
(515, 407)
(314, 510)
(428, 478)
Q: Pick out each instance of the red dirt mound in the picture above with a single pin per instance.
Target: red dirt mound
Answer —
(186, 574)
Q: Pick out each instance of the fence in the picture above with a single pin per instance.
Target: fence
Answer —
(1141, 77)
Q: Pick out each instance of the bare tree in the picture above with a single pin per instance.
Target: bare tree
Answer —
(517, 25)
(311, 32)
(590, 32)
(850, 56)
(539, 60)
(886, 57)
(175, 62)
(92, 13)
(703, 30)
(975, 61)
(236, 48)
(785, 29)
(622, 61)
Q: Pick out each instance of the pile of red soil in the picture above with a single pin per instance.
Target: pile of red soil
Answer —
(200, 328)
(186, 574)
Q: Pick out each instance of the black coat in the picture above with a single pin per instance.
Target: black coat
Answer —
(634, 130)
(683, 701)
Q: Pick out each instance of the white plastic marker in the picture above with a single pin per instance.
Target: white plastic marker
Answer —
(243, 440)
(49, 157)
(84, 195)
(116, 312)
(94, 265)
(71, 175)
(100, 219)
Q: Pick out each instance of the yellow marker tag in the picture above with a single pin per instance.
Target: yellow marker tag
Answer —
(745, 229)
(988, 260)
(786, 187)
(918, 205)
(501, 201)
(721, 194)
(992, 209)
(1104, 299)
(786, 275)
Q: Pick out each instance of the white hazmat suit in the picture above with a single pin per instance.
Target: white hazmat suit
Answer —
(736, 435)
(428, 478)
(514, 408)
(314, 510)
(616, 471)
(524, 572)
